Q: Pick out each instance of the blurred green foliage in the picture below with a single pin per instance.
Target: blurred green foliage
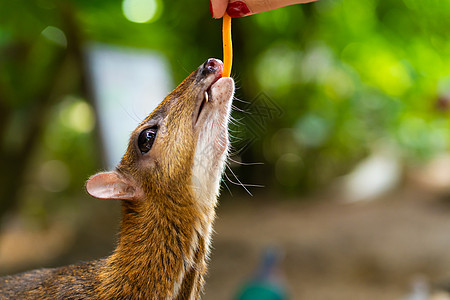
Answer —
(344, 74)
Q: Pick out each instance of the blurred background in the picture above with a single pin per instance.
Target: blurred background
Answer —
(338, 186)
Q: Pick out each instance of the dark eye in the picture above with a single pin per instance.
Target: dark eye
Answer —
(146, 139)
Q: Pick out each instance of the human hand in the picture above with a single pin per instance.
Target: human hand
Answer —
(247, 7)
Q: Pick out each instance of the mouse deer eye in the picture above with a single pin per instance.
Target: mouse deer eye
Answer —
(146, 139)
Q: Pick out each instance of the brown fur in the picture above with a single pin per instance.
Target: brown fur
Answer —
(165, 230)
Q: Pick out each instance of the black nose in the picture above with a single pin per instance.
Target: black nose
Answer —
(212, 66)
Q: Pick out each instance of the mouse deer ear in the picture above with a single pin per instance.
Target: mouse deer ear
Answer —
(111, 185)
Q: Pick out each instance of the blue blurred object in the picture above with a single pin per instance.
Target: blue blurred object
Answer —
(267, 283)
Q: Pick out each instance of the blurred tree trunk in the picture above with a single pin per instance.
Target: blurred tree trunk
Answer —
(14, 160)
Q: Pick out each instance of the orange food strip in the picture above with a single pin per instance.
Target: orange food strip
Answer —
(227, 46)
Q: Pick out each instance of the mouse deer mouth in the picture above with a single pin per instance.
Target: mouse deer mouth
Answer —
(212, 71)
(207, 97)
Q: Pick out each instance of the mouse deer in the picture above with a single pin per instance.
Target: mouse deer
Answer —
(168, 182)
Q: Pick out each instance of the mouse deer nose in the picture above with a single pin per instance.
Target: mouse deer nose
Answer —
(212, 66)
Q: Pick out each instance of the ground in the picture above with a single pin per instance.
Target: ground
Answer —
(334, 250)
(331, 250)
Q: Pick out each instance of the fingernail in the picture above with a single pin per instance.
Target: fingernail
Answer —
(211, 9)
(237, 9)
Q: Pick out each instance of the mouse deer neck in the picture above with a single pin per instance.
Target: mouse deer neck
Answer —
(165, 238)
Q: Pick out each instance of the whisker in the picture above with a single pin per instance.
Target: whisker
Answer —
(233, 131)
(133, 116)
(237, 119)
(240, 100)
(235, 183)
(183, 67)
(239, 182)
(226, 186)
(235, 108)
(235, 139)
(244, 185)
(240, 150)
(235, 123)
(245, 164)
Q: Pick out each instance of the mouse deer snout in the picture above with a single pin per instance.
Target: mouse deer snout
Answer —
(212, 66)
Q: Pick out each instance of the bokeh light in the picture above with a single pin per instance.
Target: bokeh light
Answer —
(77, 115)
(141, 11)
(55, 35)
